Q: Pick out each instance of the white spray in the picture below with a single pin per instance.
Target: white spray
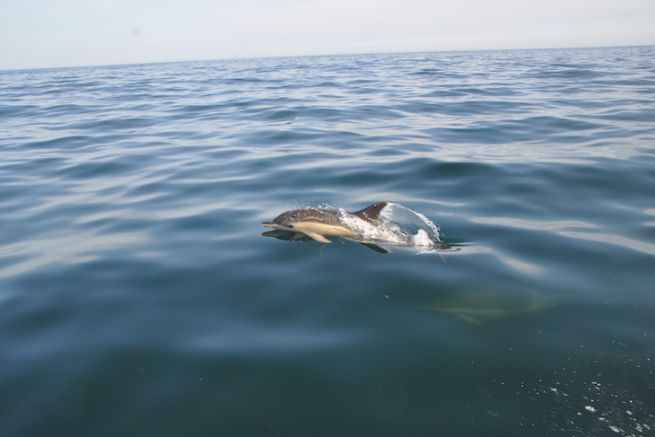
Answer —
(398, 225)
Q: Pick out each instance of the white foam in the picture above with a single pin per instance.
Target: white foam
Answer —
(430, 224)
(422, 239)
(398, 225)
(384, 232)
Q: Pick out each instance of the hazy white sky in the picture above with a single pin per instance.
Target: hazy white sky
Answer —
(53, 33)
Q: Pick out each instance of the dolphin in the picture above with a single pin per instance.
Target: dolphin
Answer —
(318, 224)
(297, 236)
(480, 306)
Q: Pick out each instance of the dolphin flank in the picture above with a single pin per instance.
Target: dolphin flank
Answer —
(319, 223)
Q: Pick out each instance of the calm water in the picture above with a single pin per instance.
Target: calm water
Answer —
(138, 296)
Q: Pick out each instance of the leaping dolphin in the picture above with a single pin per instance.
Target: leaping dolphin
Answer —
(321, 223)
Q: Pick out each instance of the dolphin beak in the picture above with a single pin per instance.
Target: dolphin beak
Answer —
(277, 226)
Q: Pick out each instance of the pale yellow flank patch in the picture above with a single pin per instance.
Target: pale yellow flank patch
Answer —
(318, 231)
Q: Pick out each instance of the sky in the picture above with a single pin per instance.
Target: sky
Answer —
(60, 33)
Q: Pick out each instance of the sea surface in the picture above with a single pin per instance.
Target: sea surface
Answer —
(138, 296)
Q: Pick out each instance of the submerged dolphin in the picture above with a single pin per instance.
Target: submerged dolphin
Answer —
(321, 223)
(485, 305)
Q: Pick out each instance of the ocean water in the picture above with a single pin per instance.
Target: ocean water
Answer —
(138, 296)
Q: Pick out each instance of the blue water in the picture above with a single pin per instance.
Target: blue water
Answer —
(139, 297)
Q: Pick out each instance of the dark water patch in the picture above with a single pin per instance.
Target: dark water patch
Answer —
(65, 109)
(282, 136)
(58, 143)
(643, 115)
(326, 84)
(16, 110)
(445, 93)
(96, 169)
(279, 115)
(476, 134)
(490, 107)
(480, 91)
(114, 123)
(567, 73)
(548, 125)
(192, 110)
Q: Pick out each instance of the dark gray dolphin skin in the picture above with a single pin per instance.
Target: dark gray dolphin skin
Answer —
(321, 223)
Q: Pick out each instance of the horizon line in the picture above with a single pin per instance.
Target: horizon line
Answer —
(239, 58)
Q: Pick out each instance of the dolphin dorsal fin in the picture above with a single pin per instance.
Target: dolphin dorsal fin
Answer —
(372, 212)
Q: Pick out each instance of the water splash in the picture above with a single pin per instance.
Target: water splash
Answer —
(398, 225)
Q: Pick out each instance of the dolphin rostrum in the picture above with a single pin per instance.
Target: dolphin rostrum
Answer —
(321, 223)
